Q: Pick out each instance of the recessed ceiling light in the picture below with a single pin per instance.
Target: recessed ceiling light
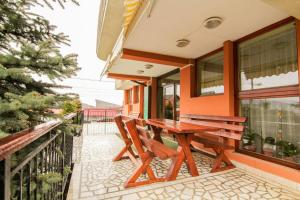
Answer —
(140, 71)
(182, 42)
(212, 22)
(148, 66)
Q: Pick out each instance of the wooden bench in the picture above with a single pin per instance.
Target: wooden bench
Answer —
(228, 128)
(148, 148)
(126, 151)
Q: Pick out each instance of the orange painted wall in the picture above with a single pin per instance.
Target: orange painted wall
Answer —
(224, 105)
(137, 105)
(208, 105)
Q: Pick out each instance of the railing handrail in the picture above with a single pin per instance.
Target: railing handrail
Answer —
(17, 141)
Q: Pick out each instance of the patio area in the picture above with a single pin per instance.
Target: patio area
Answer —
(95, 176)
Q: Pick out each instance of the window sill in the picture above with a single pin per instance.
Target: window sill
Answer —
(269, 159)
(208, 95)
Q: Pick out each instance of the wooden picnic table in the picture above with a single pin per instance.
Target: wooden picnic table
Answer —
(182, 131)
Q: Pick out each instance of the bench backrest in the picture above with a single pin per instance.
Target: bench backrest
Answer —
(120, 122)
(139, 134)
(230, 127)
(135, 115)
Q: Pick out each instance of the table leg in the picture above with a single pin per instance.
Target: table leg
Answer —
(157, 132)
(183, 142)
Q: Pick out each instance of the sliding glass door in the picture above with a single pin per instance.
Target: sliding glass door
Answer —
(169, 96)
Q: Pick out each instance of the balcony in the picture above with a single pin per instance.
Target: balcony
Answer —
(95, 176)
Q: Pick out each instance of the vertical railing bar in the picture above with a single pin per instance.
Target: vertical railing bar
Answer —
(51, 165)
(46, 158)
(105, 121)
(5, 182)
(42, 161)
(21, 184)
(29, 181)
(46, 195)
(50, 157)
(55, 162)
(36, 176)
(63, 160)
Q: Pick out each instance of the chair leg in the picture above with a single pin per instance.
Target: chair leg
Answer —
(175, 165)
(144, 166)
(221, 157)
(120, 155)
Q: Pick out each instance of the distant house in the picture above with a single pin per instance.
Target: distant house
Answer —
(84, 106)
(106, 105)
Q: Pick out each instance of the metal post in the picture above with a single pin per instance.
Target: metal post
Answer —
(5, 178)
(63, 150)
(105, 121)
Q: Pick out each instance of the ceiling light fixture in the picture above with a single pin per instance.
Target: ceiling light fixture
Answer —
(182, 42)
(140, 71)
(148, 66)
(212, 22)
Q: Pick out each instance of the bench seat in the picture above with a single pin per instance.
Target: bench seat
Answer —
(228, 128)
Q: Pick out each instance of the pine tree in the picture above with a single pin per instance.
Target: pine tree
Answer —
(29, 48)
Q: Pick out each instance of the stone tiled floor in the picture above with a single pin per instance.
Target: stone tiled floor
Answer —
(97, 177)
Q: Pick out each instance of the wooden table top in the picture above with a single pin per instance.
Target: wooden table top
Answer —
(177, 126)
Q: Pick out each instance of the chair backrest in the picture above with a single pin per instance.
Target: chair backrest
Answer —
(120, 122)
(230, 127)
(135, 115)
(139, 134)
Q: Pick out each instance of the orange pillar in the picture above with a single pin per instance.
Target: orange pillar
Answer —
(229, 76)
(141, 98)
(153, 97)
(298, 45)
(125, 97)
(135, 94)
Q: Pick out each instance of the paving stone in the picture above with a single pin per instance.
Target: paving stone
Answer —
(97, 177)
(130, 197)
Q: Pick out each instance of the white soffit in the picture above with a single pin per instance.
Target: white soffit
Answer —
(130, 67)
(292, 7)
(124, 84)
(172, 20)
(110, 22)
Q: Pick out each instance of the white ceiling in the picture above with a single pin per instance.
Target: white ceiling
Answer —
(130, 67)
(290, 6)
(176, 19)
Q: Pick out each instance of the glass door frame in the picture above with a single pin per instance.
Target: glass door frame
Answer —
(174, 92)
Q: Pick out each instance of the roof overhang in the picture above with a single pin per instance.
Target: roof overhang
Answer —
(124, 84)
(152, 35)
(128, 77)
(110, 23)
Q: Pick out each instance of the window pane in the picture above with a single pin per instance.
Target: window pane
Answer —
(168, 101)
(137, 94)
(272, 127)
(130, 96)
(210, 75)
(269, 60)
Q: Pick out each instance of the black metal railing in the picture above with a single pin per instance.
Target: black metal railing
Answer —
(36, 164)
(100, 121)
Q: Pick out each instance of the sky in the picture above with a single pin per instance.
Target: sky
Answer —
(80, 23)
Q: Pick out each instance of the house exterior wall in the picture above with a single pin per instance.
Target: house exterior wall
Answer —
(220, 104)
(224, 104)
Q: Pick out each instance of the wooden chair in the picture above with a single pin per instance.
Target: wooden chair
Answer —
(126, 151)
(228, 128)
(147, 149)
